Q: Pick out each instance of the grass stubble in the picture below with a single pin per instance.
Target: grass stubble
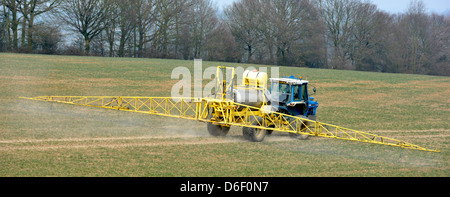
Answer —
(45, 139)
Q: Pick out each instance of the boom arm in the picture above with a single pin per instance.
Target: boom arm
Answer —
(225, 112)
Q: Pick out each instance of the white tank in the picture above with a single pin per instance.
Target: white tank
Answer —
(254, 78)
(252, 90)
(249, 97)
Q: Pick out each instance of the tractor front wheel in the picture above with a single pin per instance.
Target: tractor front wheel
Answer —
(217, 130)
(300, 126)
(254, 134)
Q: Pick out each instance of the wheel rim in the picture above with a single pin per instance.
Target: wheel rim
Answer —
(258, 133)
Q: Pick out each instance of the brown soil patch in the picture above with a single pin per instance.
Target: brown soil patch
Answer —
(113, 142)
(424, 84)
(376, 96)
(120, 142)
(409, 131)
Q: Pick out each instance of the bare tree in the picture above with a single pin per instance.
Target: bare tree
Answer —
(30, 9)
(222, 45)
(339, 17)
(267, 30)
(415, 23)
(203, 23)
(165, 17)
(287, 17)
(375, 54)
(292, 23)
(111, 23)
(46, 38)
(86, 17)
(11, 9)
(183, 30)
(439, 45)
(426, 41)
(4, 28)
(126, 22)
(144, 10)
(364, 36)
(242, 17)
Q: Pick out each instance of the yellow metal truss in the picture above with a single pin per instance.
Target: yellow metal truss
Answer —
(227, 113)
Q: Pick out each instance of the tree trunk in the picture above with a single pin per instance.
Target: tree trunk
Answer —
(122, 42)
(30, 32)
(24, 24)
(87, 47)
(249, 55)
(14, 25)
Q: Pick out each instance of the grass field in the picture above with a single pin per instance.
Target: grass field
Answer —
(45, 139)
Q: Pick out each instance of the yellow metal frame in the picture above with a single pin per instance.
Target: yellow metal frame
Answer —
(221, 110)
(227, 113)
(224, 88)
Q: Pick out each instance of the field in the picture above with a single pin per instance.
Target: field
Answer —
(45, 139)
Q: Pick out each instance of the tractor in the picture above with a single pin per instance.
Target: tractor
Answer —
(286, 95)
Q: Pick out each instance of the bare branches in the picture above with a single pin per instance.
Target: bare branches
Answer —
(244, 24)
(87, 17)
(337, 34)
(278, 31)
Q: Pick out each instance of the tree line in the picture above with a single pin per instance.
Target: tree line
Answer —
(334, 34)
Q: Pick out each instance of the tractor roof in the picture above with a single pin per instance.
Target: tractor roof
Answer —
(289, 80)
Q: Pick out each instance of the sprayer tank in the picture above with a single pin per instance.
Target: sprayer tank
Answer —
(253, 89)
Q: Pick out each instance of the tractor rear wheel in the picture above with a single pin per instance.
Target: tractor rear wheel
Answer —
(217, 130)
(254, 134)
(300, 126)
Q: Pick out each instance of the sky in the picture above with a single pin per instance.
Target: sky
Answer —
(391, 6)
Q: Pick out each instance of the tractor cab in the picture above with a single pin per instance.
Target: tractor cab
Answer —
(290, 95)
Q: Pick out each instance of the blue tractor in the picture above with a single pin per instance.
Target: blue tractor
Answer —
(286, 95)
(290, 95)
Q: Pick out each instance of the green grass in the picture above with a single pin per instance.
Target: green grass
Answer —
(45, 139)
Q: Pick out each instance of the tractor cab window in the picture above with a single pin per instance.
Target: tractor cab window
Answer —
(297, 93)
(300, 93)
(281, 88)
(280, 91)
(304, 93)
(284, 88)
